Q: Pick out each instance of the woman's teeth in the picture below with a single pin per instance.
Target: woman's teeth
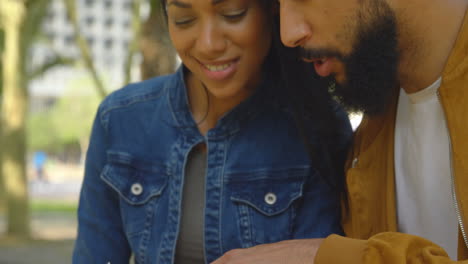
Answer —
(216, 68)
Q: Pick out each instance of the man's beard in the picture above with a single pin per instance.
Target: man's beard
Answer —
(372, 66)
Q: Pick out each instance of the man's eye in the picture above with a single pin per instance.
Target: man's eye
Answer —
(235, 14)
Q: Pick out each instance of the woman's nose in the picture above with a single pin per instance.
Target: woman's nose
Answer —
(211, 40)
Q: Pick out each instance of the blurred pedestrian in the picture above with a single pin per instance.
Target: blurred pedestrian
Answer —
(39, 160)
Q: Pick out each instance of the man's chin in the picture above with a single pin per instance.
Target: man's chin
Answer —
(353, 100)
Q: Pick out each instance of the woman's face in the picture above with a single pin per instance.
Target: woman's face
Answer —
(222, 42)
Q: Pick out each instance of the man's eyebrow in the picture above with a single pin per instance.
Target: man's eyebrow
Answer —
(215, 2)
(180, 4)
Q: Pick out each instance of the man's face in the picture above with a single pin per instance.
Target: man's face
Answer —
(352, 42)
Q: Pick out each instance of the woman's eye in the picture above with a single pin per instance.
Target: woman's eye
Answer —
(234, 15)
(183, 21)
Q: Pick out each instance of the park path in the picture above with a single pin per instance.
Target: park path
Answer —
(36, 252)
(53, 232)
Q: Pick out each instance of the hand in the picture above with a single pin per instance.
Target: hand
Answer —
(300, 251)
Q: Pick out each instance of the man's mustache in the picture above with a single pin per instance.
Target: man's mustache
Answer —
(311, 54)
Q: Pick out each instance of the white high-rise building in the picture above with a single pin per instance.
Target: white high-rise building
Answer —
(106, 25)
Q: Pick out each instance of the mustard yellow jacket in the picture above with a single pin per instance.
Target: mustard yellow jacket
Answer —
(370, 223)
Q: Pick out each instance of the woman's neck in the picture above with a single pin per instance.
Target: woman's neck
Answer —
(206, 108)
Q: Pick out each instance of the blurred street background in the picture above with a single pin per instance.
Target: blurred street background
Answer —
(53, 203)
(58, 60)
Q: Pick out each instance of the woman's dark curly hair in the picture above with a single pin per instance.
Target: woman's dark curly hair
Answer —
(313, 107)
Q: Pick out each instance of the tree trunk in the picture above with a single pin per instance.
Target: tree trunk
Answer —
(83, 46)
(13, 116)
(133, 48)
(2, 187)
(159, 57)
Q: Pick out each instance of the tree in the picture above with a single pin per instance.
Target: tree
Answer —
(70, 6)
(13, 116)
(2, 49)
(20, 20)
(159, 57)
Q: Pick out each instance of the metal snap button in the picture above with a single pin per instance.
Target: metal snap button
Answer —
(136, 189)
(270, 198)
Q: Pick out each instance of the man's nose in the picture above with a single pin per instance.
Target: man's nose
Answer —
(294, 29)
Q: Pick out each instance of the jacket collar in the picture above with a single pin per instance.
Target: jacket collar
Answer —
(457, 63)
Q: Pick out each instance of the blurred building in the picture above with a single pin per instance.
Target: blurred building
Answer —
(106, 24)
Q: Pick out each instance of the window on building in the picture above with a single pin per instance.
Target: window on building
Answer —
(126, 23)
(108, 43)
(89, 21)
(69, 40)
(51, 36)
(127, 5)
(109, 61)
(90, 41)
(89, 3)
(109, 22)
(126, 45)
(50, 15)
(108, 4)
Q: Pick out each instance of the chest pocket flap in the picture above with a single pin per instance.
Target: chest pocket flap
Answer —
(136, 181)
(270, 193)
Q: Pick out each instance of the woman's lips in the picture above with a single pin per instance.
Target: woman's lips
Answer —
(219, 70)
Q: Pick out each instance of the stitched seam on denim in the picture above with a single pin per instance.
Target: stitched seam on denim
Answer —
(181, 191)
(204, 203)
(166, 236)
(244, 226)
(221, 195)
(124, 197)
(147, 230)
(104, 120)
(260, 210)
(122, 103)
(172, 110)
(127, 160)
(292, 220)
(178, 82)
(265, 174)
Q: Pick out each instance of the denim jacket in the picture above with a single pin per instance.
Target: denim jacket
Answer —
(260, 184)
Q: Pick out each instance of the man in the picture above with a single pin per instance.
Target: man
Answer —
(404, 63)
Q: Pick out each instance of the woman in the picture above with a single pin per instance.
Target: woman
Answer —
(185, 167)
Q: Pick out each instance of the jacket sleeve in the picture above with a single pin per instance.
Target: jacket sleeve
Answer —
(383, 248)
(101, 238)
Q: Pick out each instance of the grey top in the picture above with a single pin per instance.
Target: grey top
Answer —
(189, 248)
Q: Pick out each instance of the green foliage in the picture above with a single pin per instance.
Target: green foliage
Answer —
(41, 132)
(73, 115)
(68, 122)
(50, 206)
(36, 13)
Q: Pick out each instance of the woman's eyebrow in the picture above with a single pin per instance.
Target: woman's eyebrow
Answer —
(187, 5)
(180, 4)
